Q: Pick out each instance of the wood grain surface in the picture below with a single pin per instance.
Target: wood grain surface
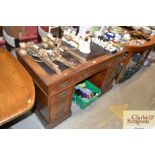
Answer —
(17, 92)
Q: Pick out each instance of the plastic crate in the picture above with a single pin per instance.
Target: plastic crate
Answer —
(84, 103)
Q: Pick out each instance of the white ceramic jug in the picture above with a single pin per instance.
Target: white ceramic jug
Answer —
(84, 46)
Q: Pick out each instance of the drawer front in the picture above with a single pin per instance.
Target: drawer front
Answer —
(60, 104)
(58, 87)
(90, 72)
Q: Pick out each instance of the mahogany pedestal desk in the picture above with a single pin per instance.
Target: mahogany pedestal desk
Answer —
(17, 91)
(54, 92)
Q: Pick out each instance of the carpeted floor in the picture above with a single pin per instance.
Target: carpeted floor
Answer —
(137, 93)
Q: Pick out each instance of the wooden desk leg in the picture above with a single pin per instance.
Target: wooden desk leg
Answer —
(124, 67)
(148, 52)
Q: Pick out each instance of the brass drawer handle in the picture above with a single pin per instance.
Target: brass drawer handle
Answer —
(62, 94)
(63, 84)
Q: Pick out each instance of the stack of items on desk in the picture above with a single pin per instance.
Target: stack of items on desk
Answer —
(150, 30)
(85, 93)
(114, 38)
(111, 38)
(50, 51)
(78, 42)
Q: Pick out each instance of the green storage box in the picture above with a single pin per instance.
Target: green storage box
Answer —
(84, 103)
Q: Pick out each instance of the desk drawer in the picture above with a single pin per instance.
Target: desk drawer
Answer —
(59, 86)
(91, 71)
(60, 104)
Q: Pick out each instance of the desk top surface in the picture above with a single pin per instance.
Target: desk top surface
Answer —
(16, 88)
(97, 56)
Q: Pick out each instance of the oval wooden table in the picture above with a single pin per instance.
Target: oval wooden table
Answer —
(17, 91)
